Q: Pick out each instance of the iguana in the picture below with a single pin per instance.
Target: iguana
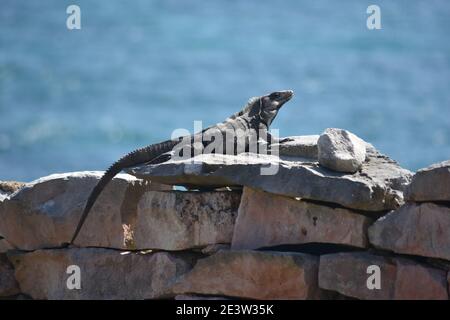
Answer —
(256, 116)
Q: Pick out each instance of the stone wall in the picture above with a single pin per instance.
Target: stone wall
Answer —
(317, 229)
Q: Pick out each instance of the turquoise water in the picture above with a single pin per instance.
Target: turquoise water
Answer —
(78, 100)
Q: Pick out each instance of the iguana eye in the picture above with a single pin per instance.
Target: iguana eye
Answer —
(274, 95)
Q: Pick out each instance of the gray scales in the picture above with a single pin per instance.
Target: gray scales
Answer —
(254, 118)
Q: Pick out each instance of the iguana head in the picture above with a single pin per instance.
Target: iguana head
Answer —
(266, 107)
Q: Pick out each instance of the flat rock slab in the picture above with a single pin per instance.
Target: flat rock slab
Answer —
(400, 279)
(105, 274)
(8, 283)
(254, 275)
(430, 184)
(416, 229)
(45, 212)
(266, 220)
(377, 186)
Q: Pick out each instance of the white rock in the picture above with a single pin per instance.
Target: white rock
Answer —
(340, 150)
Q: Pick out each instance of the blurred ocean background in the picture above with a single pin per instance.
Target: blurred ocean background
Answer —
(78, 100)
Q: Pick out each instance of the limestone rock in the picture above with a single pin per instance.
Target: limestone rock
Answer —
(299, 146)
(340, 150)
(105, 273)
(377, 186)
(400, 279)
(430, 184)
(268, 220)
(254, 275)
(8, 284)
(45, 213)
(416, 229)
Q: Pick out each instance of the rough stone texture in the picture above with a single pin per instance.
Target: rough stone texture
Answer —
(253, 274)
(299, 146)
(8, 284)
(416, 229)
(377, 186)
(105, 273)
(45, 213)
(179, 220)
(401, 279)
(340, 150)
(430, 184)
(9, 187)
(268, 220)
(5, 245)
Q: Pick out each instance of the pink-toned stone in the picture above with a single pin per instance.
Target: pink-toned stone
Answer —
(179, 220)
(105, 273)
(347, 273)
(430, 184)
(254, 275)
(415, 229)
(266, 219)
(418, 282)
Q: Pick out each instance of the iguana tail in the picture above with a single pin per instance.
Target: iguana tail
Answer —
(134, 158)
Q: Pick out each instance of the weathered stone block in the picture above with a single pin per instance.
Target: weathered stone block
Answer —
(254, 275)
(400, 279)
(45, 212)
(183, 220)
(431, 183)
(416, 229)
(104, 273)
(266, 219)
